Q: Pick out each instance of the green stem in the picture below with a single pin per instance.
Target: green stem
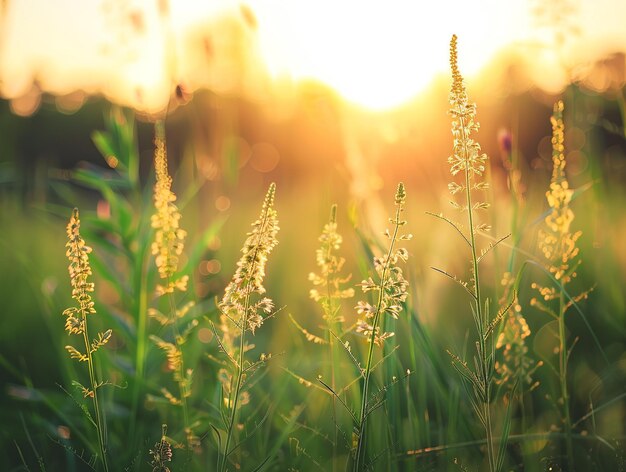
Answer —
(482, 322)
(94, 389)
(140, 355)
(360, 452)
(235, 401)
(331, 343)
(563, 381)
(331, 325)
(182, 382)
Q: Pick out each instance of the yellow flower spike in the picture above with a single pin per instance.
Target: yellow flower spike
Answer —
(169, 238)
(79, 269)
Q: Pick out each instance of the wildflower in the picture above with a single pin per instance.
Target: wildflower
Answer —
(167, 247)
(169, 238)
(248, 277)
(239, 313)
(466, 152)
(391, 289)
(516, 363)
(161, 453)
(328, 282)
(80, 270)
(556, 241)
(76, 323)
(468, 160)
(558, 245)
(391, 286)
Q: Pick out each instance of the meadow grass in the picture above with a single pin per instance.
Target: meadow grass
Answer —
(374, 390)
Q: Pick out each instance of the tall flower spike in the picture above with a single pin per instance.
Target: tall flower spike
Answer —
(328, 282)
(516, 367)
(558, 245)
(161, 453)
(80, 270)
(241, 313)
(466, 152)
(76, 323)
(248, 278)
(556, 241)
(391, 285)
(169, 238)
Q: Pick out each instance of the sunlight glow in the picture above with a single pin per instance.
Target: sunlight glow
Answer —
(378, 55)
(375, 55)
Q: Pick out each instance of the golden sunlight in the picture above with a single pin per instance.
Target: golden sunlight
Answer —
(375, 56)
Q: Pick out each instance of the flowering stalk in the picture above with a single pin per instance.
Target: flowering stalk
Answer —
(328, 292)
(167, 247)
(558, 245)
(240, 313)
(392, 292)
(76, 321)
(161, 453)
(468, 160)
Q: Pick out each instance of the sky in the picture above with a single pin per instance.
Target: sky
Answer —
(373, 53)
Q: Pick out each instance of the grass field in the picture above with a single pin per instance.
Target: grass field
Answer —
(461, 313)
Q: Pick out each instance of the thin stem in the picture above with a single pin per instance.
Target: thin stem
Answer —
(331, 344)
(140, 354)
(94, 389)
(233, 412)
(182, 382)
(563, 381)
(484, 368)
(360, 452)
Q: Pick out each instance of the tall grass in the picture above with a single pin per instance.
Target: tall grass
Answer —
(226, 411)
(167, 248)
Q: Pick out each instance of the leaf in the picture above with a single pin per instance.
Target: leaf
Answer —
(505, 431)
(343, 403)
(103, 143)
